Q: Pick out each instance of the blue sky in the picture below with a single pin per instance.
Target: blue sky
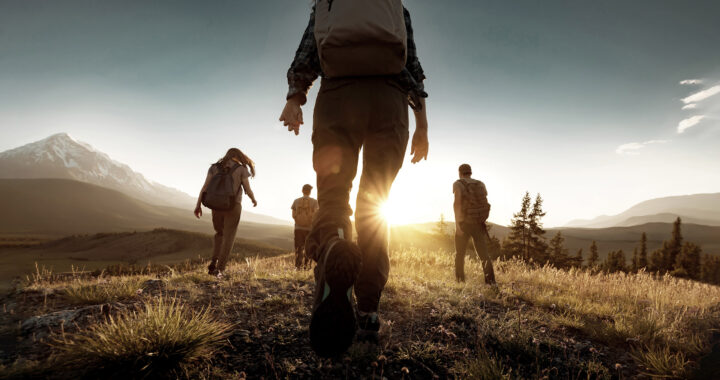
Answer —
(580, 101)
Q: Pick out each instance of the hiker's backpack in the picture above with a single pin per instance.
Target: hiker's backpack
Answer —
(220, 193)
(304, 212)
(360, 38)
(475, 205)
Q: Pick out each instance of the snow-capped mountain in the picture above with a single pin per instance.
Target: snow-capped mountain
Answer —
(60, 156)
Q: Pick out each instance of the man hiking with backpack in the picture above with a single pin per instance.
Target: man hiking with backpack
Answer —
(471, 211)
(365, 53)
(303, 210)
(222, 193)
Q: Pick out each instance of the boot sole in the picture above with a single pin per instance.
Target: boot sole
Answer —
(333, 324)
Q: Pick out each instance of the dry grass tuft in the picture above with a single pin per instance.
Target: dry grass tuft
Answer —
(159, 340)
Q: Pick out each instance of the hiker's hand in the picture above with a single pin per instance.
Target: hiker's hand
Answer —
(291, 115)
(198, 211)
(420, 146)
(254, 203)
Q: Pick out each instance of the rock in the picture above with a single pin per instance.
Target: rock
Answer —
(41, 325)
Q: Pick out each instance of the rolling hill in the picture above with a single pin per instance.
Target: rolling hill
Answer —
(61, 207)
(696, 209)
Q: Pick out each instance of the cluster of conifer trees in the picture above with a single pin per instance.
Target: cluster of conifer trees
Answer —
(676, 256)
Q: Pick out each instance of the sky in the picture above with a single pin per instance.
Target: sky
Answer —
(594, 105)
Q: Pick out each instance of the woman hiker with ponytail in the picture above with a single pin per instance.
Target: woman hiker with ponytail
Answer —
(222, 192)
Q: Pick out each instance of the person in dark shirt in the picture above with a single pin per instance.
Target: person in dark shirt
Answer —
(368, 112)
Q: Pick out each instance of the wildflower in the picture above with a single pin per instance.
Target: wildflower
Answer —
(382, 359)
(139, 291)
(405, 370)
(618, 366)
(543, 330)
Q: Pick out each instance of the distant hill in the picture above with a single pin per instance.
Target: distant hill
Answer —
(64, 207)
(696, 208)
(60, 156)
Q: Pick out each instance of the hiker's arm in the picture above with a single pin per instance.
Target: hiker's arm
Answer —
(420, 145)
(248, 190)
(303, 71)
(198, 206)
(293, 209)
(457, 207)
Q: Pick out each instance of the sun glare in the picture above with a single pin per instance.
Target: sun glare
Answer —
(390, 214)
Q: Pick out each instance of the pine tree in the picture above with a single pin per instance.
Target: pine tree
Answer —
(558, 253)
(442, 231)
(594, 256)
(710, 269)
(517, 242)
(688, 262)
(577, 261)
(615, 262)
(634, 263)
(642, 256)
(537, 247)
(657, 260)
(673, 247)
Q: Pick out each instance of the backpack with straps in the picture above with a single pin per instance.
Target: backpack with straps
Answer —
(475, 205)
(360, 38)
(220, 193)
(304, 212)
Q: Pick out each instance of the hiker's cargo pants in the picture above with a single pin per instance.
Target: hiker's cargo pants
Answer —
(300, 254)
(478, 233)
(225, 224)
(352, 113)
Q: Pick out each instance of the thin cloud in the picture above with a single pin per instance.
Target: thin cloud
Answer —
(690, 106)
(702, 95)
(633, 148)
(689, 123)
(691, 81)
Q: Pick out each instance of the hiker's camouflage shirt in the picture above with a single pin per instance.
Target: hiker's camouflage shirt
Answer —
(305, 68)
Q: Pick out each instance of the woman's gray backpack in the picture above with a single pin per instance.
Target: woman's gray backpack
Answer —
(220, 193)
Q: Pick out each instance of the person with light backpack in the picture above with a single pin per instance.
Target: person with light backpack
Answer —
(303, 210)
(222, 193)
(471, 211)
(365, 53)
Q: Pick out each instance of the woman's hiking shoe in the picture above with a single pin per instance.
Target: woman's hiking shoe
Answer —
(212, 269)
(368, 327)
(333, 324)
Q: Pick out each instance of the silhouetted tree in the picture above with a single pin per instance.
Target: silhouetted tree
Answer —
(672, 248)
(558, 253)
(687, 263)
(642, 256)
(615, 262)
(538, 247)
(710, 269)
(634, 262)
(594, 256)
(442, 231)
(657, 260)
(517, 244)
(577, 260)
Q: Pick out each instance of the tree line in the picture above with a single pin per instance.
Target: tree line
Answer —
(676, 257)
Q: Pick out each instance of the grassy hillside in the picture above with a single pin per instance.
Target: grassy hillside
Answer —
(91, 252)
(541, 323)
(61, 207)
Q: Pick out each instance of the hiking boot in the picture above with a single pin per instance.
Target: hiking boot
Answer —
(212, 269)
(333, 324)
(368, 327)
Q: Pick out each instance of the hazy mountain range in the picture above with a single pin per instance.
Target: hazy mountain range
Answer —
(695, 209)
(60, 156)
